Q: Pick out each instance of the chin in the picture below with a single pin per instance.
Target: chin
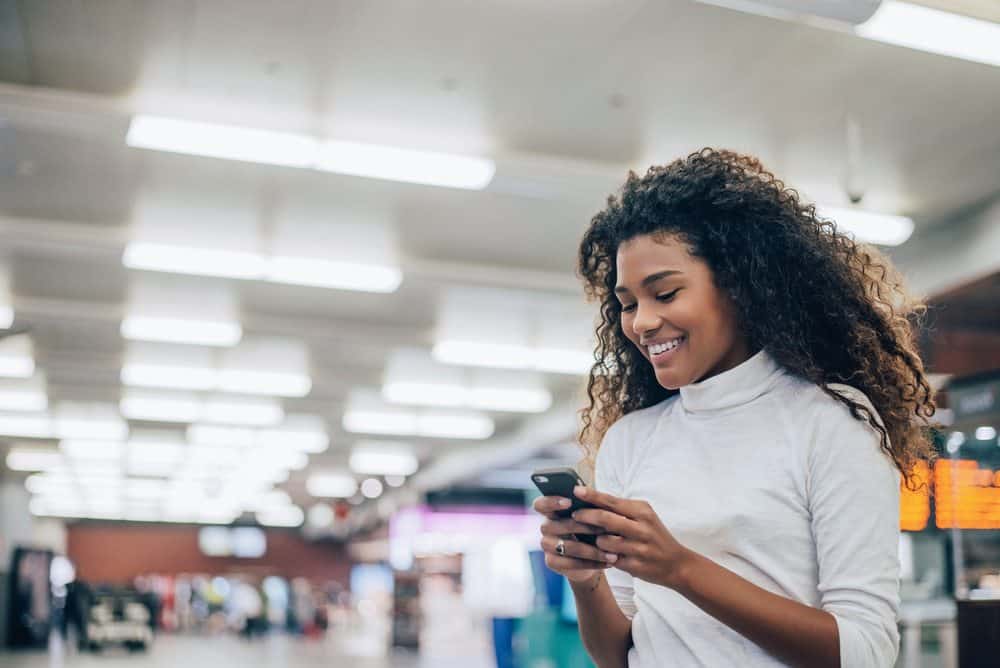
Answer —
(670, 381)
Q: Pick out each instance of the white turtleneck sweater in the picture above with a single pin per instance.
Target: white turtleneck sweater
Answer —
(766, 475)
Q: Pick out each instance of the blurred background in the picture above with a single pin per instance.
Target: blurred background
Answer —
(289, 308)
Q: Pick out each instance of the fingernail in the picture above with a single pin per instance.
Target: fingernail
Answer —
(574, 515)
(580, 491)
(611, 558)
(564, 503)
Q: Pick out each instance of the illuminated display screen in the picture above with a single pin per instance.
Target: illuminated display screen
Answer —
(966, 496)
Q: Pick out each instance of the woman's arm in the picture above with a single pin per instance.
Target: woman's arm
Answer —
(796, 633)
(792, 631)
(606, 632)
(604, 628)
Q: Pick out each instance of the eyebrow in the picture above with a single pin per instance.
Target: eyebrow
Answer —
(652, 278)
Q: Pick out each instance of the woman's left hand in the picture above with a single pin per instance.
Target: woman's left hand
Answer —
(645, 547)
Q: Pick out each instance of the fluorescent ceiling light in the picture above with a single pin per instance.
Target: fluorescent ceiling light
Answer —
(455, 426)
(28, 425)
(160, 408)
(92, 450)
(289, 516)
(425, 394)
(214, 140)
(563, 360)
(26, 399)
(32, 459)
(473, 353)
(170, 377)
(372, 458)
(401, 423)
(209, 434)
(145, 488)
(338, 275)
(96, 421)
(230, 142)
(398, 164)
(244, 381)
(304, 433)
(255, 412)
(935, 31)
(176, 330)
(331, 484)
(251, 266)
(869, 227)
(371, 488)
(17, 357)
(524, 400)
(507, 356)
(193, 261)
(367, 413)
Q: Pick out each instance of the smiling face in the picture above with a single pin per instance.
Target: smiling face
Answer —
(673, 312)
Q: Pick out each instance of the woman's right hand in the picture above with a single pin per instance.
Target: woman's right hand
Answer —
(580, 562)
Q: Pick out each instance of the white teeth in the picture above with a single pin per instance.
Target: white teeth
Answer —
(658, 348)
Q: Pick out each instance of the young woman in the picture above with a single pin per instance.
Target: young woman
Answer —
(757, 400)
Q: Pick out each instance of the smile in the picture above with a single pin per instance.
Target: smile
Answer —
(658, 350)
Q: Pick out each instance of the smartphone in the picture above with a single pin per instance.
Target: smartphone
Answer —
(559, 481)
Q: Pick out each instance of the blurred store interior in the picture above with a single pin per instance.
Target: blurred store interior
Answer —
(289, 311)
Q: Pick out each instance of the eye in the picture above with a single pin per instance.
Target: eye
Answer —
(667, 296)
(628, 308)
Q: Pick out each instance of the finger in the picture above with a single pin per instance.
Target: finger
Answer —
(609, 521)
(549, 505)
(578, 550)
(568, 528)
(625, 507)
(617, 545)
(567, 564)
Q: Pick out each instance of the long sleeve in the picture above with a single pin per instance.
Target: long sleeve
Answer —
(853, 490)
(608, 478)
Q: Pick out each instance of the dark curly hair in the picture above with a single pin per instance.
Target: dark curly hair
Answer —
(837, 310)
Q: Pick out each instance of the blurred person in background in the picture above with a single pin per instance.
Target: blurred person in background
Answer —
(757, 398)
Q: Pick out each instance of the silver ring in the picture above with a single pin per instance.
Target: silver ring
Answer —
(561, 547)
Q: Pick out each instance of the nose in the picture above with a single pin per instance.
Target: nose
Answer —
(646, 320)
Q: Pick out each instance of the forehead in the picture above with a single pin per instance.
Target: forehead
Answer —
(645, 255)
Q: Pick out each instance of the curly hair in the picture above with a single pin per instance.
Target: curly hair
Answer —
(837, 309)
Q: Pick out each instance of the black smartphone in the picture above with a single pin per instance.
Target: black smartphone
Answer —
(559, 481)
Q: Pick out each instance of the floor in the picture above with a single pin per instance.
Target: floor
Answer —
(274, 651)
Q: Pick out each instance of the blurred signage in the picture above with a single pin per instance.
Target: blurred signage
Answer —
(977, 399)
(966, 496)
(915, 506)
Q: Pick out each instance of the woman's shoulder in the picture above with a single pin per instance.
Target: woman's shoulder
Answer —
(805, 398)
(632, 427)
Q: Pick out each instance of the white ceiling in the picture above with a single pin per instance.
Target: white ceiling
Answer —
(565, 95)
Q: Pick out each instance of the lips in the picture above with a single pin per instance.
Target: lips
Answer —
(662, 350)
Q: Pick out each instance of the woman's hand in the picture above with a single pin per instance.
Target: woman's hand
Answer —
(579, 562)
(634, 532)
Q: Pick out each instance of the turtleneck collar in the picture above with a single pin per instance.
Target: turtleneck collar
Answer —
(739, 385)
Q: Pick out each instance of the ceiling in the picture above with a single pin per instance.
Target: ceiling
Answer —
(565, 95)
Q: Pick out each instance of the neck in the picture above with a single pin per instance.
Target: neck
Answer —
(735, 356)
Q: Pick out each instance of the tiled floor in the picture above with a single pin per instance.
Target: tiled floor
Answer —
(276, 651)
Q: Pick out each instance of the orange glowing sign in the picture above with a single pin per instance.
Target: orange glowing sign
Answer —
(915, 506)
(966, 496)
